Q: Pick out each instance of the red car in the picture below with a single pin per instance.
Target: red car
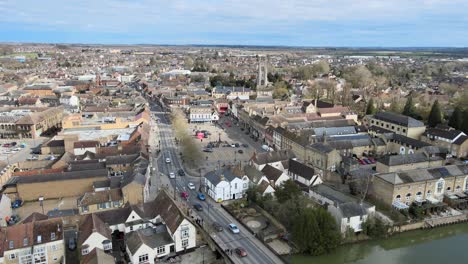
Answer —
(7, 145)
(361, 162)
(241, 252)
(184, 195)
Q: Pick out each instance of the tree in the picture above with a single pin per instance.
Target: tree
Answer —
(188, 62)
(287, 190)
(456, 119)
(464, 127)
(435, 116)
(408, 110)
(315, 231)
(370, 110)
(281, 90)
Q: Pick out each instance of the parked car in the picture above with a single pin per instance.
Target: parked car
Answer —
(184, 195)
(217, 227)
(241, 252)
(234, 229)
(245, 145)
(265, 147)
(207, 150)
(233, 145)
(50, 158)
(240, 151)
(198, 207)
(13, 144)
(237, 145)
(168, 160)
(17, 203)
(71, 244)
(181, 172)
(191, 186)
(171, 175)
(201, 197)
(6, 145)
(13, 220)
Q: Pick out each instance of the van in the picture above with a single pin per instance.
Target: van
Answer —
(265, 147)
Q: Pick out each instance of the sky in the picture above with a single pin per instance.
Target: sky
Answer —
(310, 23)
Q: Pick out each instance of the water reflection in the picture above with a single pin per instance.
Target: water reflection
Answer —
(421, 246)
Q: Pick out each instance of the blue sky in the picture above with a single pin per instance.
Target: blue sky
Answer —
(360, 23)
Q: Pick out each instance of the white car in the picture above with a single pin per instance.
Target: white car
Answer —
(172, 175)
(234, 229)
(168, 160)
(191, 186)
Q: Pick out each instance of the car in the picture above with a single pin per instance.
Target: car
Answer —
(367, 161)
(198, 207)
(237, 145)
(217, 227)
(232, 145)
(245, 145)
(241, 252)
(50, 158)
(168, 160)
(371, 159)
(191, 186)
(181, 172)
(184, 195)
(234, 229)
(17, 149)
(17, 203)
(171, 175)
(201, 197)
(361, 162)
(13, 220)
(71, 244)
(242, 129)
(13, 144)
(240, 151)
(6, 145)
(36, 151)
(207, 150)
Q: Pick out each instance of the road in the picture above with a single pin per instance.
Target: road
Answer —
(212, 212)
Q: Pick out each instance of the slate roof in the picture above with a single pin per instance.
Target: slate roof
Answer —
(152, 237)
(90, 198)
(252, 173)
(443, 133)
(321, 147)
(92, 223)
(352, 209)
(301, 169)
(69, 175)
(398, 119)
(426, 174)
(215, 176)
(395, 160)
(272, 173)
(164, 206)
(34, 217)
(272, 156)
(408, 141)
(460, 140)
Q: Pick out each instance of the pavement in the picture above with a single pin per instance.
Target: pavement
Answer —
(212, 212)
(13, 157)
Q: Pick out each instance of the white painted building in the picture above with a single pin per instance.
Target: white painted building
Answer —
(347, 211)
(225, 185)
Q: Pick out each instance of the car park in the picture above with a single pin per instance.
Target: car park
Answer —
(198, 207)
(241, 252)
(191, 186)
(234, 229)
(201, 197)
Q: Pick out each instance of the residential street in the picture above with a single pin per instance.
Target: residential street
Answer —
(212, 212)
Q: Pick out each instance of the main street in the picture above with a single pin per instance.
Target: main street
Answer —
(212, 212)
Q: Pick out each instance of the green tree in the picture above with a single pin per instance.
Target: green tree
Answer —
(435, 116)
(456, 119)
(287, 190)
(370, 110)
(409, 110)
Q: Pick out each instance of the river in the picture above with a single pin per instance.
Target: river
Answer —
(447, 244)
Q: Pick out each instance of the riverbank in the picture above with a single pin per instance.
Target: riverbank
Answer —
(429, 246)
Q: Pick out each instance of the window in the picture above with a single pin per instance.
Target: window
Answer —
(116, 204)
(85, 208)
(398, 197)
(235, 185)
(449, 189)
(428, 195)
(11, 244)
(408, 196)
(54, 247)
(52, 236)
(184, 243)
(161, 250)
(184, 232)
(245, 185)
(131, 228)
(143, 258)
(458, 189)
(12, 256)
(108, 246)
(440, 186)
(25, 241)
(84, 251)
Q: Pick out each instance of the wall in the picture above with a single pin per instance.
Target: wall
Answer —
(133, 193)
(191, 238)
(56, 189)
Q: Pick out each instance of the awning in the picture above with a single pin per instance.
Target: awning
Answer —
(399, 205)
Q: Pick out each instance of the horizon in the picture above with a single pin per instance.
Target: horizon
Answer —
(299, 23)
